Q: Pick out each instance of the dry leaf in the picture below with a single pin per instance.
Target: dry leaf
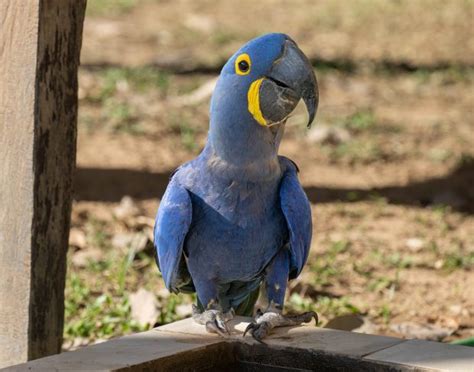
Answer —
(77, 238)
(143, 304)
(422, 331)
(83, 257)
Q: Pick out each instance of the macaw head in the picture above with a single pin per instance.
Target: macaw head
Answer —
(259, 86)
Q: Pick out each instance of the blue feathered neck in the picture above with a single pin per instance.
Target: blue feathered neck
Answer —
(235, 137)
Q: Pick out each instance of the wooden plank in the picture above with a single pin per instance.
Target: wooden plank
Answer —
(39, 54)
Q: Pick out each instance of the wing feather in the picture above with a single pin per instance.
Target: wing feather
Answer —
(297, 211)
(171, 226)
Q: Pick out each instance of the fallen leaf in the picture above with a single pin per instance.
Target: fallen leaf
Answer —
(421, 331)
(143, 305)
(345, 322)
(122, 240)
(76, 343)
(328, 134)
(184, 310)
(83, 257)
(137, 242)
(127, 208)
(77, 238)
(145, 221)
(415, 244)
(163, 293)
(352, 322)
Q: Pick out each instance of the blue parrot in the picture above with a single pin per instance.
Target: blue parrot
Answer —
(235, 219)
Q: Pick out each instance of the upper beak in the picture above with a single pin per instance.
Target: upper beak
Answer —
(291, 78)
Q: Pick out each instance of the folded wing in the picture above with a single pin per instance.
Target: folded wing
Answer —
(171, 226)
(296, 208)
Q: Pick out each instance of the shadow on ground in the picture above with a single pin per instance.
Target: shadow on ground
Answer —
(454, 189)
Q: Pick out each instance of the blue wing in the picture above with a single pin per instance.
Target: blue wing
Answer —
(171, 226)
(296, 208)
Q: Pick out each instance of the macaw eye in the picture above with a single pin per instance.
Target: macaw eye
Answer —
(242, 64)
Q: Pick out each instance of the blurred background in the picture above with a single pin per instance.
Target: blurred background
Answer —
(388, 165)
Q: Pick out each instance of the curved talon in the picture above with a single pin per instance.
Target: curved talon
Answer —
(312, 314)
(250, 327)
(316, 318)
(258, 331)
(213, 326)
(221, 323)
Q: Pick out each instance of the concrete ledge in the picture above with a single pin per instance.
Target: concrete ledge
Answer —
(185, 345)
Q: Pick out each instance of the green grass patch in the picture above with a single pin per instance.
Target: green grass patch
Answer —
(328, 307)
(120, 117)
(458, 260)
(95, 316)
(326, 267)
(361, 120)
(355, 152)
(385, 312)
(140, 79)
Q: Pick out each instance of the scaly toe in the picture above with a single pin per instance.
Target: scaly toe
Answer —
(265, 322)
(214, 320)
(261, 331)
(222, 323)
(257, 330)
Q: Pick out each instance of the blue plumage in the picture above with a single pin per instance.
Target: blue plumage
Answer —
(237, 216)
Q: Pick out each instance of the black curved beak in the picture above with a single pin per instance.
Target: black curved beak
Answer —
(290, 79)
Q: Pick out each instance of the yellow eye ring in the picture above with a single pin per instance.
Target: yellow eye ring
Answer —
(243, 64)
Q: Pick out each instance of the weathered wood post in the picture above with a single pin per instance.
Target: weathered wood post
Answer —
(40, 43)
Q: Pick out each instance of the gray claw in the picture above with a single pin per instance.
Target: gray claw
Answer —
(215, 327)
(250, 327)
(265, 322)
(257, 330)
(222, 325)
(316, 318)
(214, 320)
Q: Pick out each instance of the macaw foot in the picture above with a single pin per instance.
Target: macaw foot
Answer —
(214, 320)
(265, 322)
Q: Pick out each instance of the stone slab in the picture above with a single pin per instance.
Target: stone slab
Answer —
(306, 337)
(185, 343)
(428, 355)
(134, 350)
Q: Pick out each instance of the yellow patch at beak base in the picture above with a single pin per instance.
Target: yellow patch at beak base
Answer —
(253, 96)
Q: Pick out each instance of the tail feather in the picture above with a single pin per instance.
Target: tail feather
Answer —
(245, 308)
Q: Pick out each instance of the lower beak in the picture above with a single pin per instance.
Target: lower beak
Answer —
(290, 79)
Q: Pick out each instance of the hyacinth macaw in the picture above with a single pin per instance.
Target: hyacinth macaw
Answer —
(236, 219)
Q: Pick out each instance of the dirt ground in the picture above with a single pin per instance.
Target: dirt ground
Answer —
(388, 165)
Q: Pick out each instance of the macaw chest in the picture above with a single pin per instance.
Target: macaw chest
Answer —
(236, 230)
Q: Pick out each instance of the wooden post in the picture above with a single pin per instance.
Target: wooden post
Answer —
(40, 43)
